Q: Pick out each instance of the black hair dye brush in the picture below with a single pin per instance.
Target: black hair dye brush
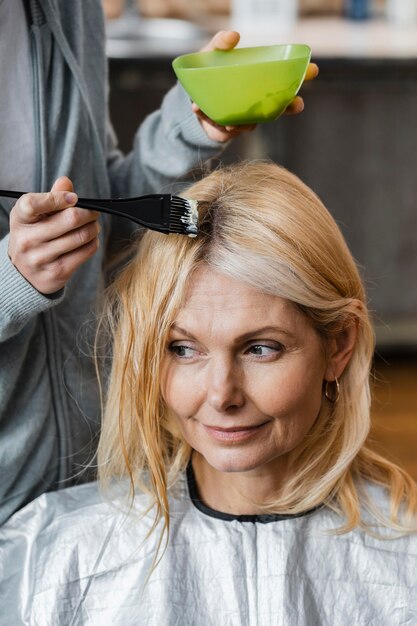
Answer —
(161, 212)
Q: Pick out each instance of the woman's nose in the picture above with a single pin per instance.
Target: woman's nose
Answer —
(224, 386)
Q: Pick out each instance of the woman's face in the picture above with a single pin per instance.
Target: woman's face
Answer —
(243, 374)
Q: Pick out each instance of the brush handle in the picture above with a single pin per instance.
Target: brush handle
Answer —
(152, 211)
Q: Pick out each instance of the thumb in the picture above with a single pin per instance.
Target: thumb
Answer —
(223, 40)
(63, 183)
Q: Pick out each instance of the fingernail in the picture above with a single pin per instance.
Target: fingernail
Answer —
(71, 197)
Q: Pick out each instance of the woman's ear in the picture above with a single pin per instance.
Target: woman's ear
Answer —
(340, 348)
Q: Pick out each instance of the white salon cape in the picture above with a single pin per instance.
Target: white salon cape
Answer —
(71, 558)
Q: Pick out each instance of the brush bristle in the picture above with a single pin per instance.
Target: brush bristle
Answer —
(184, 216)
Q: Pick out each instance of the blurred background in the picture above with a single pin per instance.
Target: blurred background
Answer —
(355, 144)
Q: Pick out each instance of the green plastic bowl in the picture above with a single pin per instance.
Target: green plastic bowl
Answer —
(244, 85)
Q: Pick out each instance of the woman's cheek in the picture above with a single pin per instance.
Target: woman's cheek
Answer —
(276, 392)
(182, 392)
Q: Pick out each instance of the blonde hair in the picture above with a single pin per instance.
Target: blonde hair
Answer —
(259, 224)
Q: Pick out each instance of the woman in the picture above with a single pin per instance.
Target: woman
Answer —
(238, 410)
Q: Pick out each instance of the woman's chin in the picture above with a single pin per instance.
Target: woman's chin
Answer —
(234, 461)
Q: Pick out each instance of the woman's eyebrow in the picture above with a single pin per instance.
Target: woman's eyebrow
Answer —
(241, 338)
(182, 331)
(265, 329)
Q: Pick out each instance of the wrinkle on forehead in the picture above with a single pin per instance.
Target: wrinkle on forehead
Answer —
(211, 294)
(211, 288)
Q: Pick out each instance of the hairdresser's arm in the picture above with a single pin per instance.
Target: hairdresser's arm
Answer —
(49, 239)
(168, 145)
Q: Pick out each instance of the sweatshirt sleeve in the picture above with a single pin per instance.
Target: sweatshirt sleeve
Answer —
(19, 301)
(168, 145)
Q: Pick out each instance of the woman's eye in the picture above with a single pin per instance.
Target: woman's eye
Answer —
(265, 350)
(182, 351)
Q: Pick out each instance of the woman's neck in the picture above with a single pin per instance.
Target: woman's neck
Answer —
(237, 493)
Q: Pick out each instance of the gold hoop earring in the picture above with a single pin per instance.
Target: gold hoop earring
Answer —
(332, 394)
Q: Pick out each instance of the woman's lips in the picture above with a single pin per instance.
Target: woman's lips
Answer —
(235, 434)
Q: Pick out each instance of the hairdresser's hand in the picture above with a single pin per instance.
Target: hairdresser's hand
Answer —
(226, 40)
(223, 40)
(50, 238)
(297, 105)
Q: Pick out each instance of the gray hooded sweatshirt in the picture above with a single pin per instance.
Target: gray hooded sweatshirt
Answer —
(49, 407)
